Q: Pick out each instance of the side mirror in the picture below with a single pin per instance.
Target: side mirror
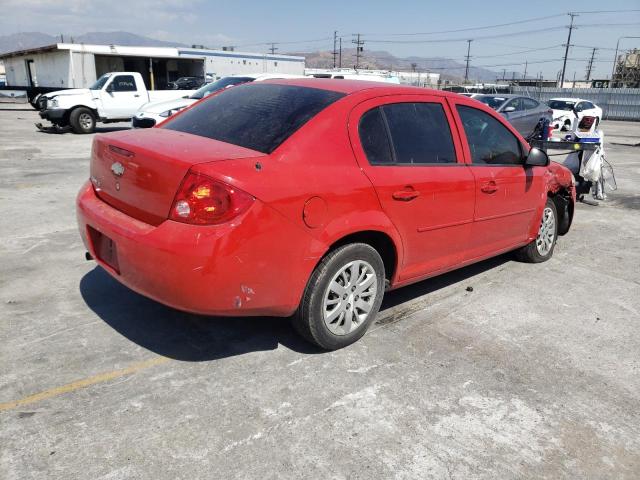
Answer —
(509, 110)
(536, 158)
(109, 88)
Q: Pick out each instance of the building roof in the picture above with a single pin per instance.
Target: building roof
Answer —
(136, 51)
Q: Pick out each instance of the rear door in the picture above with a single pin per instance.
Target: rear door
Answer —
(507, 193)
(406, 147)
(122, 96)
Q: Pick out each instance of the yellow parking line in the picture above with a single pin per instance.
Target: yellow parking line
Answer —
(84, 383)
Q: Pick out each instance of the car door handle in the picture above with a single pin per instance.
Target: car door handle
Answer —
(136, 95)
(405, 195)
(489, 187)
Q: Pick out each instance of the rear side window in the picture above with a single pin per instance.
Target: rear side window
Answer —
(529, 103)
(374, 138)
(490, 142)
(419, 133)
(255, 116)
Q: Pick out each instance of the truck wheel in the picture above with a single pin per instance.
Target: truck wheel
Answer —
(541, 249)
(82, 120)
(342, 298)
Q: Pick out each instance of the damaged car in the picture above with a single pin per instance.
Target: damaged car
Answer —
(311, 198)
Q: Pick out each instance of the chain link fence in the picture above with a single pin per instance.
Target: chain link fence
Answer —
(616, 103)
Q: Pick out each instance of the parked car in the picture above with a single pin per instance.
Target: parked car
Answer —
(523, 113)
(114, 97)
(154, 113)
(187, 83)
(312, 197)
(567, 112)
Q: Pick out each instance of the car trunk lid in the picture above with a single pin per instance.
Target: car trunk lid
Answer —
(139, 172)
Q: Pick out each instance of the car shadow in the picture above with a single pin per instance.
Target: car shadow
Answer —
(196, 338)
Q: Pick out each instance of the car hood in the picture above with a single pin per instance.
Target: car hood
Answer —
(159, 107)
(67, 93)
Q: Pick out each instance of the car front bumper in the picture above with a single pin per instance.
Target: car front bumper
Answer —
(239, 268)
(56, 115)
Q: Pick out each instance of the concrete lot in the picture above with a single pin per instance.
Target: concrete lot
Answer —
(533, 374)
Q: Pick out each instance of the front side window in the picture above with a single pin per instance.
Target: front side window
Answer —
(123, 83)
(490, 142)
(255, 116)
(419, 133)
(516, 103)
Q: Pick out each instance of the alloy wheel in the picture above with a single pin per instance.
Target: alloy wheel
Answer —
(350, 297)
(547, 232)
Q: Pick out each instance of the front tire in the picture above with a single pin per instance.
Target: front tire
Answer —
(82, 120)
(342, 297)
(541, 249)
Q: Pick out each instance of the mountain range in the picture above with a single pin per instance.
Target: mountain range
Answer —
(448, 68)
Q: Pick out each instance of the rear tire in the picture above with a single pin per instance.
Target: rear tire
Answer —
(82, 120)
(541, 248)
(342, 297)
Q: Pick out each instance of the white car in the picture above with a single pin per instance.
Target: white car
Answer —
(568, 111)
(114, 97)
(154, 113)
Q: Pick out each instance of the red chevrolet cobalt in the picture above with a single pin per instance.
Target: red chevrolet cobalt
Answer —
(309, 198)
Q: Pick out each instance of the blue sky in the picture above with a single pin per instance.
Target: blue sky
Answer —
(254, 23)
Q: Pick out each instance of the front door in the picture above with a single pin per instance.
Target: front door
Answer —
(405, 146)
(122, 97)
(507, 192)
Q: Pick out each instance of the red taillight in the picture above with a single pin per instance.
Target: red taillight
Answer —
(201, 200)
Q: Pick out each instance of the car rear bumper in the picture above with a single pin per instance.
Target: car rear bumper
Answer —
(236, 269)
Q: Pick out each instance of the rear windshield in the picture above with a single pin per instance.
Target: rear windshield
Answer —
(561, 105)
(255, 116)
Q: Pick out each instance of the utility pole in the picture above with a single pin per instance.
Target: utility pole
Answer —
(273, 48)
(590, 65)
(335, 51)
(566, 50)
(504, 73)
(466, 70)
(359, 49)
(340, 53)
(526, 64)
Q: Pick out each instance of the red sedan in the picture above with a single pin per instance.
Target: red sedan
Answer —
(309, 198)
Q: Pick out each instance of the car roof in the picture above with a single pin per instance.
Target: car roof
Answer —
(354, 86)
(567, 99)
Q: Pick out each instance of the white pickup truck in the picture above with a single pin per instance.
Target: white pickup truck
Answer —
(114, 97)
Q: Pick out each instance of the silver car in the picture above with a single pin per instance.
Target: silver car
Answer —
(523, 113)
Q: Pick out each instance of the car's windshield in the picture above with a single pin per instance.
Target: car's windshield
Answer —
(561, 104)
(100, 82)
(219, 85)
(491, 100)
(255, 116)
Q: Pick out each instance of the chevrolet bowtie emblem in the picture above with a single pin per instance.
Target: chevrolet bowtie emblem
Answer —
(118, 169)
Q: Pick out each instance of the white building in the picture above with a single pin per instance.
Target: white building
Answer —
(76, 65)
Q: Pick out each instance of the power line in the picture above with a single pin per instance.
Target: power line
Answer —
(485, 27)
(520, 52)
